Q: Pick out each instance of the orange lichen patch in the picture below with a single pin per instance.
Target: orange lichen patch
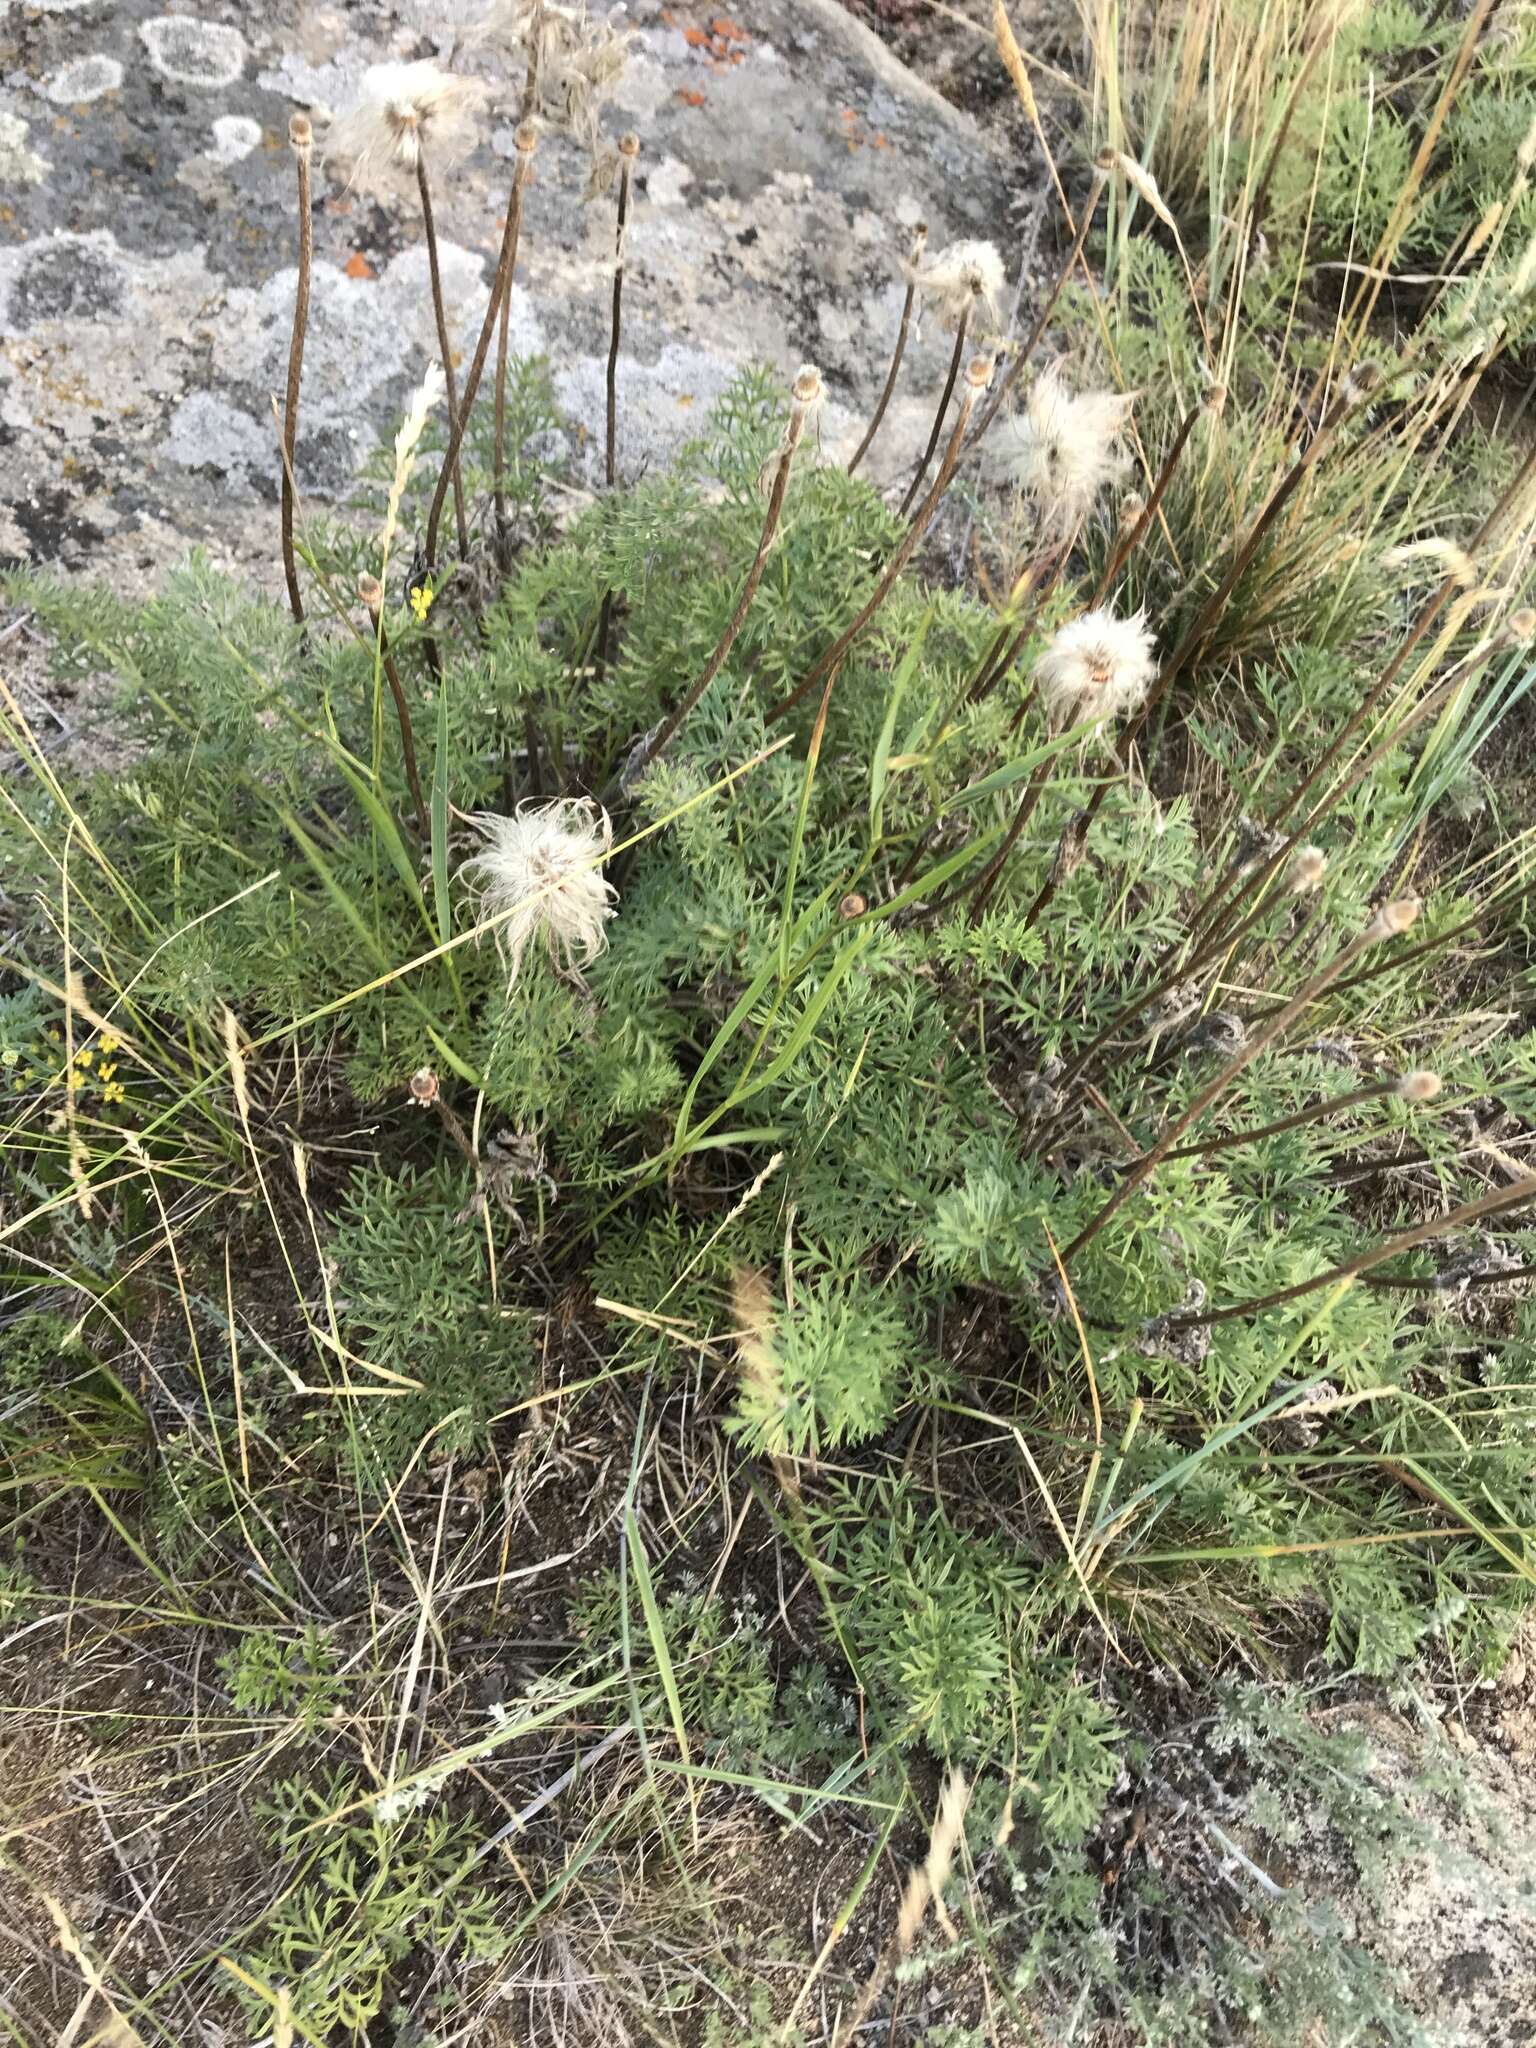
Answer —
(690, 97)
(718, 43)
(855, 135)
(358, 266)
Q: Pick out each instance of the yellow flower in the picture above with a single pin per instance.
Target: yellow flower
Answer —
(106, 1070)
(109, 1043)
(421, 601)
(113, 1092)
(84, 1056)
(73, 1078)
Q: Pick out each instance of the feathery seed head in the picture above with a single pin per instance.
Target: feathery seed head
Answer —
(1132, 506)
(958, 276)
(1307, 870)
(1215, 400)
(406, 110)
(629, 145)
(541, 872)
(1065, 448)
(423, 1086)
(573, 61)
(978, 372)
(1096, 667)
(1392, 919)
(1419, 1086)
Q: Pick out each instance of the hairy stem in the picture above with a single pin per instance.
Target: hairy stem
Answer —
(977, 378)
(859, 453)
(1405, 1240)
(962, 328)
(1396, 917)
(444, 345)
(807, 393)
(301, 136)
(501, 287)
(629, 149)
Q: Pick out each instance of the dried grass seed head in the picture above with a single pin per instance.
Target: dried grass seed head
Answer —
(1096, 667)
(540, 873)
(959, 277)
(1066, 448)
(405, 112)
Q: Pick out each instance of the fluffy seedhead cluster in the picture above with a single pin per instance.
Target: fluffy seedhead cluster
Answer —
(980, 1182)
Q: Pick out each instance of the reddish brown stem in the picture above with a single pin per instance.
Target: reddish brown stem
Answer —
(1395, 918)
(806, 395)
(629, 149)
(976, 382)
(1022, 355)
(501, 287)
(444, 345)
(1469, 1212)
(859, 453)
(300, 135)
(962, 328)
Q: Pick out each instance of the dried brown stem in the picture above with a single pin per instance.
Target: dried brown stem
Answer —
(859, 453)
(977, 377)
(444, 345)
(629, 149)
(807, 394)
(1328, 1105)
(371, 592)
(1189, 645)
(962, 328)
(1396, 917)
(301, 136)
(501, 287)
(1468, 1212)
(1022, 354)
(1128, 542)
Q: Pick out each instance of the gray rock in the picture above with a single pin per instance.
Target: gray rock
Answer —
(147, 257)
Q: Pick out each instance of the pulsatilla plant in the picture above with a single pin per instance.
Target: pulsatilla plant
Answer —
(1000, 1078)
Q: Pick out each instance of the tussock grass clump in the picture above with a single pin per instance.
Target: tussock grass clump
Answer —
(967, 1227)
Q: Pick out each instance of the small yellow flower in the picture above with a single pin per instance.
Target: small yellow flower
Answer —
(113, 1092)
(106, 1070)
(84, 1056)
(109, 1043)
(421, 601)
(73, 1078)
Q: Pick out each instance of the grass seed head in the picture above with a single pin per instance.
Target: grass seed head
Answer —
(541, 872)
(1096, 667)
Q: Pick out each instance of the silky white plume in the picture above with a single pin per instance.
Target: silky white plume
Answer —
(1066, 448)
(406, 111)
(1096, 667)
(541, 872)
